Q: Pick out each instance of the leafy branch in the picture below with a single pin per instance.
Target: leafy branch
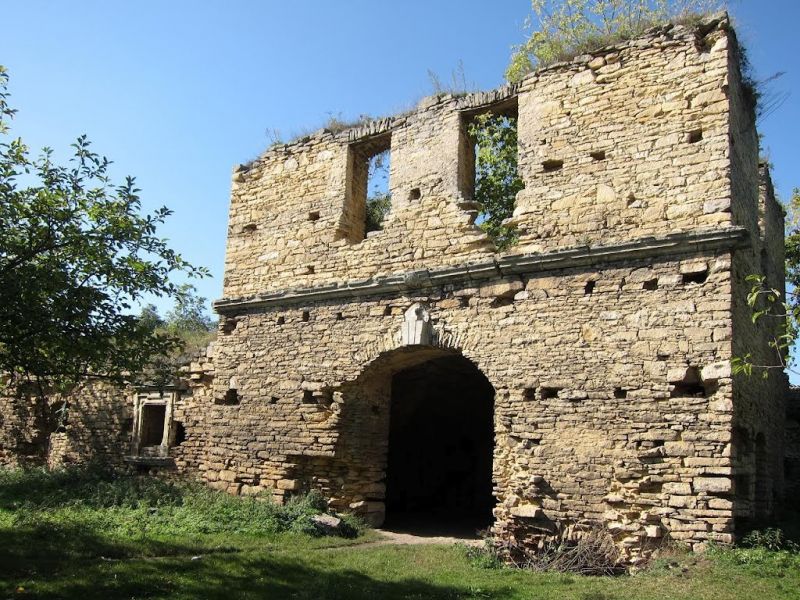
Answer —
(768, 303)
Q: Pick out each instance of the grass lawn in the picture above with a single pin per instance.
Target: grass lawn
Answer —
(78, 536)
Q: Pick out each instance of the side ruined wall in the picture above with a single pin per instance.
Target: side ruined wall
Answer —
(40, 428)
(95, 420)
(792, 440)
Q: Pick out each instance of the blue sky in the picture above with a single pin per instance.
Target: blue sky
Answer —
(178, 92)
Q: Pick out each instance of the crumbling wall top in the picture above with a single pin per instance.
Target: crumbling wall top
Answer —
(629, 141)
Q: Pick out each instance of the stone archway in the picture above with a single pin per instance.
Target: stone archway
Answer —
(440, 447)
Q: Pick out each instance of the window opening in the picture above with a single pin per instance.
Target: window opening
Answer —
(379, 198)
(153, 416)
(61, 413)
(489, 169)
(369, 197)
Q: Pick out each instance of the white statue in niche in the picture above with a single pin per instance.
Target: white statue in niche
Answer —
(417, 329)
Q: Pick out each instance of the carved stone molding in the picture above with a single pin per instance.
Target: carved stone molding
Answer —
(515, 264)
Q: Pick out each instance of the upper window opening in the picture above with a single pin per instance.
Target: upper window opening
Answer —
(488, 169)
(379, 198)
(368, 193)
(61, 412)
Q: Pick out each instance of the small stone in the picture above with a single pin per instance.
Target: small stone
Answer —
(527, 511)
(653, 531)
(712, 485)
(327, 524)
(597, 62)
(715, 371)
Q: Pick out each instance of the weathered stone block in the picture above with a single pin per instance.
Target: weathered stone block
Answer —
(713, 485)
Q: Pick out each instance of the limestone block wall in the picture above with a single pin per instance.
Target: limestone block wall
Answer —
(189, 422)
(614, 397)
(792, 448)
(37, 430)
(629, 142)
(759, 405)
(97, 424)
(592, 417)
(295, 219)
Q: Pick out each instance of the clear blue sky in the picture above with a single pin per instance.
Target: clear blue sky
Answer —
(178, 92)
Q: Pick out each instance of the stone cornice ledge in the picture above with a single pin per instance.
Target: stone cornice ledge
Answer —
(701, 240)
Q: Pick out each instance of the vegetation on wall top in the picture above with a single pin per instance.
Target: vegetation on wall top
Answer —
(562, 29)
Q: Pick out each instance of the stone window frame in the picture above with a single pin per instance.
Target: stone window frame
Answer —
(145, 398)
(359, 153)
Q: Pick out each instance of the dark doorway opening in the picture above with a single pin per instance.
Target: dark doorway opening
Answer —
(153, 424)
(441, 441)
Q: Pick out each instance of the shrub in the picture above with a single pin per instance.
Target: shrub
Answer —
(485, 556)
(125, 505)
(593, 553)
(90, 486)
(769, 539)
(567, 28)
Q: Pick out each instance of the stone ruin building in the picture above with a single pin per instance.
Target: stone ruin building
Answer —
(581, 376)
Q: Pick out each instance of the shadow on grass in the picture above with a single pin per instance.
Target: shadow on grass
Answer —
(52, 546)
(70, 562)
(91, 486)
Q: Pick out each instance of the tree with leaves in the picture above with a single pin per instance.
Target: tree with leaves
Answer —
(496, 178)
(188, 324)
(76, 255)
(379, 198)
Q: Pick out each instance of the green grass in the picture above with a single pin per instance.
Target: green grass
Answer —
(88, 535)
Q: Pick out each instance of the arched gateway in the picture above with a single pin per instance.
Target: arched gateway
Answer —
(436, 436)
